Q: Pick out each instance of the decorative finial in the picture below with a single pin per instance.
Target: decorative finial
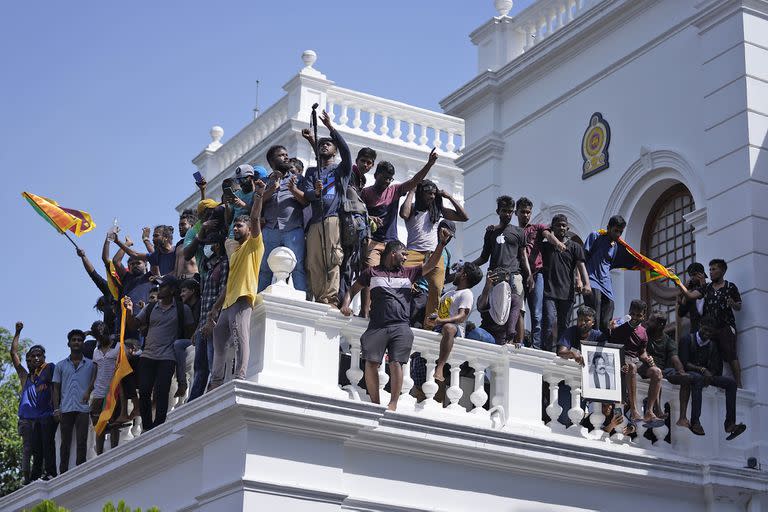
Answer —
(309, 57)
(217, 132)
(503, 6)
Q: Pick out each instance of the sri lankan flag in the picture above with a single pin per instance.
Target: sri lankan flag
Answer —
(62, 219)
(122, 368)
(633, 260)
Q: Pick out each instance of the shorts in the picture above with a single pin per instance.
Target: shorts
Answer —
(636, 362)
(726, 343)
(396, 340)
(516, 283)
(459, 330)
(373, 253)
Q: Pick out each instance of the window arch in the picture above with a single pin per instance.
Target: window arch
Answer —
(668, 240)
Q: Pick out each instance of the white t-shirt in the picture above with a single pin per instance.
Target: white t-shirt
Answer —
(451, 302)
(422, 232)
(105, 369)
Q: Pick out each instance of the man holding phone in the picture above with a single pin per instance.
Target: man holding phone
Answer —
(240, 201)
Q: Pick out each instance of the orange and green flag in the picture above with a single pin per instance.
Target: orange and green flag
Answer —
(62, 219)
(636, 261)
(122, 368)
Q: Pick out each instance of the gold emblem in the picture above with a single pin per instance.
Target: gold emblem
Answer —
(594, 146)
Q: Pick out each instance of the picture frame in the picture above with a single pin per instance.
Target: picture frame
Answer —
(601, 377)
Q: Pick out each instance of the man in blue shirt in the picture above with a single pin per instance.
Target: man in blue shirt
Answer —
(283, 214)
(36, 425)
(602, 252)
(71, 380)
(323, 189)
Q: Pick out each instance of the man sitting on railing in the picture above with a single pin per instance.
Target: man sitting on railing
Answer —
(389, 326)
(701, 358)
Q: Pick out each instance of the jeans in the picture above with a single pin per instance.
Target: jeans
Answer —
(603, 307)
(203, 360)
(153, 372)
(180, 351)
(233, 328)
(38, 445)
(480, 334)
(293, 240)
(535, 305)
(555, 315)
(70, 421)
(726, 383)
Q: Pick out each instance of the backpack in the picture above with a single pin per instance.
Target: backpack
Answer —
(179, 316)
(353, 217)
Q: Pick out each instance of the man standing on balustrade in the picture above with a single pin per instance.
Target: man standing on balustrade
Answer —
(389, 326)
(601, 251)
(324, 189)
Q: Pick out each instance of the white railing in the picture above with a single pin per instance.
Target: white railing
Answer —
(253, 133)
(393, 121)
(545, 17)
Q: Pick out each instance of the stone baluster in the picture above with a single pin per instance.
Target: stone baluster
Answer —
(331, 110)
(356, 122)
(543, 28)
(575, 413)
(423, 139)
(498, 385)
(661, 433)
(344, 118)
(450, 146)
(355, 373)
(383, 379)
(384, 128)
(454, 392)
(531, 36)
(411, 133)
(371, 126)
(554, 21)
(437, 142)
(554, 408)
(479, 396)
(406, 400)
(641, 440)
(396, 131)
(430, 386)
(570, 7)
(597, 418)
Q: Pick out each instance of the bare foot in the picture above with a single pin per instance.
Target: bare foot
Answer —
(683, 422)
(392, 406)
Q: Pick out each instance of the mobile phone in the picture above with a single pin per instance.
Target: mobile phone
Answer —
(228, 191)
(198, 177)
(617, 412)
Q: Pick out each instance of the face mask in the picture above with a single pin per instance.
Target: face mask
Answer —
(208, 251)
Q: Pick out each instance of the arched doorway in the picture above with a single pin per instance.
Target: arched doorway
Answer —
(668, 240)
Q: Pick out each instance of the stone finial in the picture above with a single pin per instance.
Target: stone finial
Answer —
(503, 6)
(309, 57)
(217, 132)
(281, 262)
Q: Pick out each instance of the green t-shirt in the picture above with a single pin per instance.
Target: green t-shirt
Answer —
(662, 350)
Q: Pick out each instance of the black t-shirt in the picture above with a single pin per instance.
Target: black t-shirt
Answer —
(503, 246)
(558, 269)
(390, 294)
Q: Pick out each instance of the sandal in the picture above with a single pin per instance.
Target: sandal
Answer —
(736, 432)
(697, 429)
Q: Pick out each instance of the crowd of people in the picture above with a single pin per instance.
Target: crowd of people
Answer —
(200, 291)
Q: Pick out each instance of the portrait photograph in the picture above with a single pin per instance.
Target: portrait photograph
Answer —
(601, 373)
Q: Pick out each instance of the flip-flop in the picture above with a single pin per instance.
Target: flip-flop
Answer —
(736, 432)
(698, 430)
(658, 422)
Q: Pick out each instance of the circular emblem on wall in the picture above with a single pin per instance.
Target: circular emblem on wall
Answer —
(594, 145)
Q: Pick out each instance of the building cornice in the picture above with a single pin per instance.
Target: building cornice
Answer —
(490, 147)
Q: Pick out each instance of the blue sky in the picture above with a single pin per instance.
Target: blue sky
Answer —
(104, 104)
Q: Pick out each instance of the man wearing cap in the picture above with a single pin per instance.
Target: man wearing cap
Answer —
(323, 189)
(232, 311)
(283, 216)
(241, 202)
(167, 320)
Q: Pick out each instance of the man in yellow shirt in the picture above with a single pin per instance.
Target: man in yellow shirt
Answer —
(234, 322)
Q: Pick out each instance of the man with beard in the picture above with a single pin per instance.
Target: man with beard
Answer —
(324, 189)
(36, 424)
(389, 327)
(504, 244)
(163, 259)
(283, 217)
(240, 201)
(421, 221)
(236, 303)
(602, 252)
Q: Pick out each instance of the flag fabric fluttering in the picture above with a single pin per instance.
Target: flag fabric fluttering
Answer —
(62, 219)
(122, 368)
(636, 261)
(113, 281)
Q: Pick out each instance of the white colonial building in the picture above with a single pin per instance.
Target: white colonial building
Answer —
(682, 85)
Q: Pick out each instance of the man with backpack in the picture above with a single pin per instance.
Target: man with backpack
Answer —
(167, 320)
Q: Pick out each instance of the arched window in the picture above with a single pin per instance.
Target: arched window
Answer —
(668, 240)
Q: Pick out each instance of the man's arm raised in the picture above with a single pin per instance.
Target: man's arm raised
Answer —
(443, 237)
(15, 359)
(258, 196)
(416, 179)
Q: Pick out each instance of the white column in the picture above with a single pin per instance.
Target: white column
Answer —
(450, 146)
(454, 392)
(344, 118)
(355, 373)
(479, 396)
(597, 418)
(430, 386)
(423, 139)
(575, 413)
(406, 400)
(371, 126)
(396, 131)
(356, 122)
(331, 110)
(384, 128)
(411, 134)
(554, 408)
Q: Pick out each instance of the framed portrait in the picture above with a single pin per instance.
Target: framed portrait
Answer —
(601, 374)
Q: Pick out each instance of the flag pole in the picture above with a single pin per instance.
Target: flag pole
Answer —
(68, 238)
